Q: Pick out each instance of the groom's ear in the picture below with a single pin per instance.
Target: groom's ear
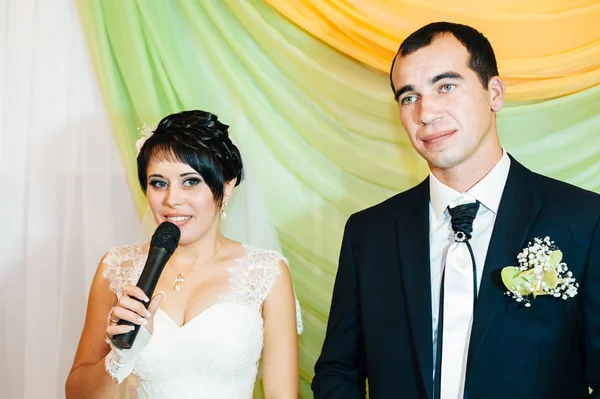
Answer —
(496, 92)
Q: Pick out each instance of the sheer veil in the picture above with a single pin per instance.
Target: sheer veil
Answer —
(248, 221)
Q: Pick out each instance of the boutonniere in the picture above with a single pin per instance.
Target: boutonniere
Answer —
(541, 271)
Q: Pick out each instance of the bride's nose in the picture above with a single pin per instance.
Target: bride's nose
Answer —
(174, 197)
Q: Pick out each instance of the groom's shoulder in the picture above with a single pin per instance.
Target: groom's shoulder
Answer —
(554, 190)
(578, 207)
(567, 195)
(386, 210)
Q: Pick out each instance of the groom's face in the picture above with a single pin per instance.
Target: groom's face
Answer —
(447, 112)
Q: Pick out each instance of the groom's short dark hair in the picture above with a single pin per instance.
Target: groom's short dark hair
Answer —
(482, 61)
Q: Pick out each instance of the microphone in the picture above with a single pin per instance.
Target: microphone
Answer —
(164, 242)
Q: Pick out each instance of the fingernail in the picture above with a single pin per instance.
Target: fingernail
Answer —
(143, 321)
(161, 293)
(148, 314)
(131, 328)
(146, 299)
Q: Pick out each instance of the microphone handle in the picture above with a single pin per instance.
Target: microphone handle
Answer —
(157, 259)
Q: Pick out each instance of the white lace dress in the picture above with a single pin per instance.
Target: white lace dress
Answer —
(214, 355)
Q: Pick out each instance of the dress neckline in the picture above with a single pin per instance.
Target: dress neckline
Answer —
(236, 262)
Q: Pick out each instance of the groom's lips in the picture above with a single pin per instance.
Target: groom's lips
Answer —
(437, 137)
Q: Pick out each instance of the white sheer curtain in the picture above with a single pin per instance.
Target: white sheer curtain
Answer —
(64, 200)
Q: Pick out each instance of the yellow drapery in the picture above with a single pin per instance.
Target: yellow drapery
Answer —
(545, 48)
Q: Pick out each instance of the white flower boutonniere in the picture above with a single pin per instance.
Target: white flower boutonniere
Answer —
(541, 271)
(146, 131)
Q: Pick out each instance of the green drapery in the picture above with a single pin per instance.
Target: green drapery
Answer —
(321, 129)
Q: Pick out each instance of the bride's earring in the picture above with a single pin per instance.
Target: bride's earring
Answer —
(224, 210)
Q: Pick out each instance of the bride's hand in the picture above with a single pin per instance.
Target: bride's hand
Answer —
(132, 310)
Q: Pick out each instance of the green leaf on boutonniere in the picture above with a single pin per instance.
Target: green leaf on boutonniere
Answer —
(516, 280)
(555, 258)
(524, 282)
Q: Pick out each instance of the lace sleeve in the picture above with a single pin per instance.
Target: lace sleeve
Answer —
(253, 279)
(123, 266)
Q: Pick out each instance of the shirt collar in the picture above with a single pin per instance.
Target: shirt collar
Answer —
(488, 190)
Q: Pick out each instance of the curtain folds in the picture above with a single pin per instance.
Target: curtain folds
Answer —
(64, 195)
(545, 49)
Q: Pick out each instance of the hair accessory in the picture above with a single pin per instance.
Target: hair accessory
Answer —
(146, 131)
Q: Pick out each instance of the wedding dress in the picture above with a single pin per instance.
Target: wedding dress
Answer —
(214, 355)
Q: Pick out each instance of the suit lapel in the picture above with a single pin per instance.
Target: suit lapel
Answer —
(518, 209)
(412, 232)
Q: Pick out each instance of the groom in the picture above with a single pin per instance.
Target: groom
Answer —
(419, 305)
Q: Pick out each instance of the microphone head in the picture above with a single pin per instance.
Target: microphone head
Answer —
(166, 236)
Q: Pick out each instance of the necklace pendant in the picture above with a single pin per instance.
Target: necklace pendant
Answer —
(178, 282)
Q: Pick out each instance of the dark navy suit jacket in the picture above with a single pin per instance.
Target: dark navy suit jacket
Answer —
(380, 320)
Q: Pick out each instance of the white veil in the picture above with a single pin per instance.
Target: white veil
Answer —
(248, 221)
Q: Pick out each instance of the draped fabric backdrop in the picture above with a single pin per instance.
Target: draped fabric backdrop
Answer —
(545, 48)
(304, 86)
(63, 193)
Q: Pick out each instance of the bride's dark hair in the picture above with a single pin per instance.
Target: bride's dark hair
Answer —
(198, 139)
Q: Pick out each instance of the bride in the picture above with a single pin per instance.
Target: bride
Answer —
(219, 307)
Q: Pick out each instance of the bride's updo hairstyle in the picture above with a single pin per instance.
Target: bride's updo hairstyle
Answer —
(198, 139)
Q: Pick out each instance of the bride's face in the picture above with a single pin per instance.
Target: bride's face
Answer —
(178, 194)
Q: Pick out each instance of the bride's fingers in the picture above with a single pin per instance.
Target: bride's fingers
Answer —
(155, 303)
(135, 292)
(127, 315)
(152, 308)
(133, 305)
(113, 330)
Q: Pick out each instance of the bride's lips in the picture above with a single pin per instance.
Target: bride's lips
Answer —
(178, 220)
(437, 137)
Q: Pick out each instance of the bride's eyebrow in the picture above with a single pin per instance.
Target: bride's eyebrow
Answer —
(181, 175)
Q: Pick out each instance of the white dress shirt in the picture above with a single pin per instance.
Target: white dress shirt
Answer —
(488, 191)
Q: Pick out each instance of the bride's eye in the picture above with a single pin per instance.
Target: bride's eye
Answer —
(192, 182)
(158, 183)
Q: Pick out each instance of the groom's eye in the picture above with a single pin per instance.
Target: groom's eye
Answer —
(408, 100)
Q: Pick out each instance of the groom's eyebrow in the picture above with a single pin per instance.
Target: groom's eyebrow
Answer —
(445, 75)
(403, 90)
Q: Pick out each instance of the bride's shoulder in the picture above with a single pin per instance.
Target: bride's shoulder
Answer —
(255, 274)
(117, 256)
(122, 265)
(264, 257)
